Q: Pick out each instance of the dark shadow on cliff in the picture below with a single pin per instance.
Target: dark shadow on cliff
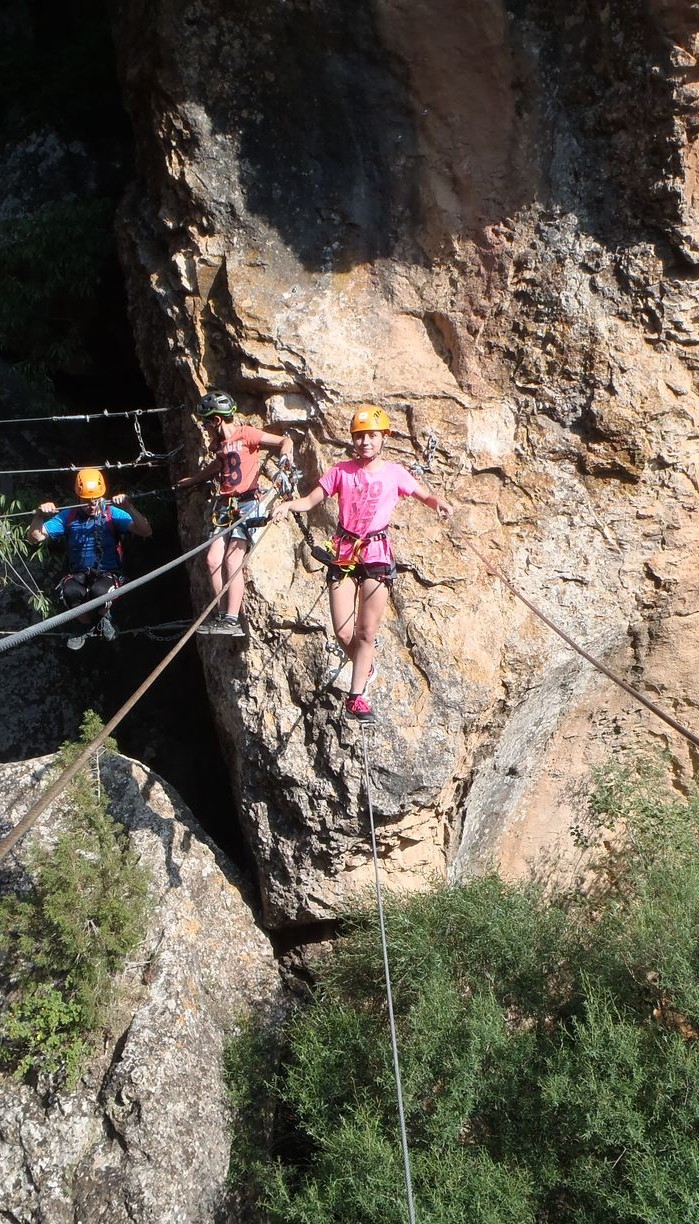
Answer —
(327, 141)
(608, 143)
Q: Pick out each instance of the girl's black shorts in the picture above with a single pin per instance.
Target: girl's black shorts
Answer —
(380, 572)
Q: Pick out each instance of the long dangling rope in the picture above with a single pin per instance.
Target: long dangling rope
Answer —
(389, 996)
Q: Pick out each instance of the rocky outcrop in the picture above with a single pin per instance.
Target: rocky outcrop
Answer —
(144, 1136)
(483, 218)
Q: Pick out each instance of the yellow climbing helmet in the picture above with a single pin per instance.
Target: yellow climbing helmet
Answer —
(370, 417)
(89, 483)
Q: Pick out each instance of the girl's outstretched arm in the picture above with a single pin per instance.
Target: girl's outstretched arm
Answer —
(299, 505)
(443, 508)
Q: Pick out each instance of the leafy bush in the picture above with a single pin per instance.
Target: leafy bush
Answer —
(19, 567)
(547, 1045)
(68, 933)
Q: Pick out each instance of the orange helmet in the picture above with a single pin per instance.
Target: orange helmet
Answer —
(89, 483)
(370, 417)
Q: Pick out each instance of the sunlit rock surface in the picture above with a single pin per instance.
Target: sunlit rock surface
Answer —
(482, 217)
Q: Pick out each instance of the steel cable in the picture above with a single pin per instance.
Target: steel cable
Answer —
(35, 811)
(389, 994)
(31, 631)
(84, 417)
(584, 654)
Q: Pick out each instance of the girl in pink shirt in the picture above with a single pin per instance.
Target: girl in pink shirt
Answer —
(367, 488)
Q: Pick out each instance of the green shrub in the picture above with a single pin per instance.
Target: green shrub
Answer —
(548, 1047)
(68, 933)
(20, 568)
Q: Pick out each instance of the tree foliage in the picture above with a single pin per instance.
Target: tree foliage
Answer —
(548, 1047)
(67, 932)
(20, 567)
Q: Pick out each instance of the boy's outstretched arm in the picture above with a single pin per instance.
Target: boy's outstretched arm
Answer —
(278, 442)
(211, 469)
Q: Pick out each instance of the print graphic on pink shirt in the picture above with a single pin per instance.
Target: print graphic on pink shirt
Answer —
(368, 499)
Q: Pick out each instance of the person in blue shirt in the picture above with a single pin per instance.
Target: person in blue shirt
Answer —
(92, 534)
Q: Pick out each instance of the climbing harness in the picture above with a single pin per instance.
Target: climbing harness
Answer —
(227, 507)
(331, 552)
(389, 994)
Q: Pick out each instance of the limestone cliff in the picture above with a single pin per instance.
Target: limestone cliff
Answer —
(482, 217)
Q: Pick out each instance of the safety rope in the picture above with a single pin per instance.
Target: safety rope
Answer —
(584, 654)
(31, 631)
(389, 994)
(105, 415)
(30, 818)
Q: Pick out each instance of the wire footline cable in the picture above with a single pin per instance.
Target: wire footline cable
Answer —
(584, 654)
(389, 995)
(30, 818)
(105, 415)
(107, 466)
(31, 631)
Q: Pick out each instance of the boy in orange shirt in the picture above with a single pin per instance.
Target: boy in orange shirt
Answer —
(237, 466)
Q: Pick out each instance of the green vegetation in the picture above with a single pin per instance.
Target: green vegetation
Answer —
(19, 567)
(548, 1047)
(81, 911)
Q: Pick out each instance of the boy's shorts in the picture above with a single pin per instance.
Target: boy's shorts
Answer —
(226, 510)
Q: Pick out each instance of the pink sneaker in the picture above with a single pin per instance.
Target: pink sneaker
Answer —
(357, 707)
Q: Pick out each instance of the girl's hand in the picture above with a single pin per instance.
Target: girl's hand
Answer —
(280, 513)
(444, 510)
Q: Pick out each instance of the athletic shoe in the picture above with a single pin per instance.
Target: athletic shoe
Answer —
(107, 628)
(212, 624)
(359, 709)
(370, 678)
(230, 625)
(76, 641)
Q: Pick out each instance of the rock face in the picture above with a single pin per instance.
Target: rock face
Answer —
(483, 218)
(144, 1136)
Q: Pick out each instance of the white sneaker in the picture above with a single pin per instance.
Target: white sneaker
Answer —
(76, 641)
